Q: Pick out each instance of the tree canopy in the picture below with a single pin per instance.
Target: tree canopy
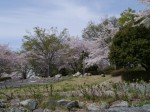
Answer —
(44, 46)
(131, 47)
(127, 17)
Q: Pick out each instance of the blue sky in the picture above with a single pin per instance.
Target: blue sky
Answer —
(19, 16)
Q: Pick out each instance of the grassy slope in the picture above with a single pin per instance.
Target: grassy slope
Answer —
(78, 81)
(62, 86)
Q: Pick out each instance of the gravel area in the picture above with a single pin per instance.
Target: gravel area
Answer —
(27, 82)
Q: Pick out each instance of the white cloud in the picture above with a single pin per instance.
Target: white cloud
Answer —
(25, 18)
(71, 14)
(66, 14)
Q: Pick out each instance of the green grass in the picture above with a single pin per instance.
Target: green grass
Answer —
(78, 81)
(62, 86)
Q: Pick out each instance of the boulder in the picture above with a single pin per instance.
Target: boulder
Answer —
(46, 110)
(72, 104)
(38, 110)
(63, 102)
(86, 74)
(30, 103)
(102, 75)
(81, 104)
(34, 77)
(77, 74)
(109, 93)
(4, 75)
(3, 103)
(126, 109)
(89, 74)
(18, 109)
(2, 110)
(58, 76)
(146, 107)
(104, 105)
(15, 102)
(119, 104)
(93, 108)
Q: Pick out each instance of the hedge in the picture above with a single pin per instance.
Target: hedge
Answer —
(132, 75)
(136, 75)
(119, 72)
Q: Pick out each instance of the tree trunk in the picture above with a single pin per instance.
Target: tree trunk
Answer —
(24, 75)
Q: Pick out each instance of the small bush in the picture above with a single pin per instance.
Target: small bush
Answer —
(134, 75)
(64, 71)
(4, 78)
(117, 72)
(108, 70)
(92, 69)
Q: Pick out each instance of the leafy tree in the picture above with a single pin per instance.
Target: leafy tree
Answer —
(131, 47)
(127, 17)
(44, 45)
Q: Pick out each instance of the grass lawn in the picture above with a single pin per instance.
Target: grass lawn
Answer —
(75, 82)
(62, 86)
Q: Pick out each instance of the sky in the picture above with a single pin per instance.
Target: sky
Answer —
(17, 17)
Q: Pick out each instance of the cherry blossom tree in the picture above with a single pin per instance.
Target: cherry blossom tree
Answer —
(145, 1)
(7, 59)
(22, 64)
(142, 17)
(99, 37)
(74, 53)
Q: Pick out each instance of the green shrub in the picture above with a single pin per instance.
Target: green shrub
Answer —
(117, 72)
(92, 69)
(4, 78)
(108, 70)
(133, 75)
(64, 71)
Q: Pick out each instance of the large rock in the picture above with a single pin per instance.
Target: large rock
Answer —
(5, 75)
(72, 104)
(3, 103)
(77, 74)
(119, 104)
(87, 74)
(63, 102)
(2, 110)
(38, 110)
(58, 76)
(146, 107)
(109, 93)
(18, 109)
(126, 109)
(34, 77)
(93, 108)
(102, 75)
(15, 102)
(30, 103)
(104, 105)
(46, 110)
